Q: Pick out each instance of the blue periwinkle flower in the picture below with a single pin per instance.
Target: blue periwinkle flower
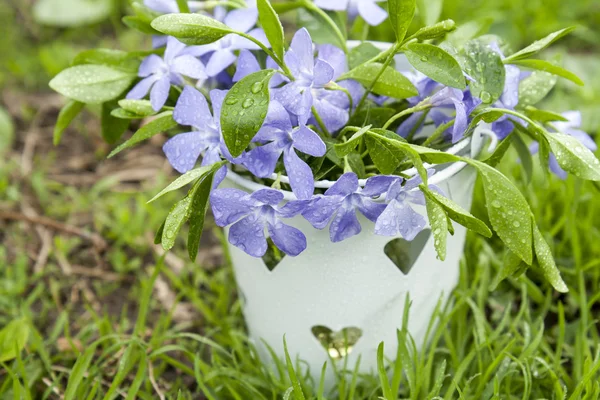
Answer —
(160, 73)
(252, 214)
(367, 9)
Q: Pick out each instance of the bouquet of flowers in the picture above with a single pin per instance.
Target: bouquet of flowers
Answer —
(329, 130)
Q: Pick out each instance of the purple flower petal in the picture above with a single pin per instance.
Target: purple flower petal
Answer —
(248, 234)
(371, 12)
(510, 95)
(308, 142)
(246, 65)
(555, 168)
(460, 122)
(229, 205)
(334, 5)
(261, 160)
(189, 66)
(323, 72)
(295, 98)
(151, 65)
(334, 117)
(370, 209)
(183, 150)
(287, 239)
(399, 219)
(277, 117)
(502, 128)
(378, 185)
(410, 124)
(241, 19)
(174, 47)
(271, 197)
(302, 48)
(345, 185)
(142, 88)
(293, 208)
(345, 224)
(239, 42)
(335, 57)
(300, 174)
(320, 210)
(160, 93)
(219, 60)
(216, 99)
(192, 109)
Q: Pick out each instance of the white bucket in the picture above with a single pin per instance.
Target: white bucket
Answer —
(351, 284)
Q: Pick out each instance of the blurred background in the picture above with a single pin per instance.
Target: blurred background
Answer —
(78, 263)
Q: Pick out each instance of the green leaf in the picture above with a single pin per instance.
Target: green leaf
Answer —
(539, 45)
(343, 149)
(435, 31)
(7, 130)
(71, 13)
(512, 265)
(391, 82)
(430, 10)
(546, 261)
(198, 210)
(112, 127)
(401, 13)
(298, 393)
(524, 156)
(433, 156)
(384, 152)
(573, 157)
(122, 60)
(436, 64)
(142, 108)
(244, 110)
(508, 210)
(192, 29)
(272, 26)
(356, 164)
(163, 122)
(178, 215)
(535, 87)
(498, 154)
(376, 116)
(543, 115)
(439, 226)
(459, 214)
(361, 54)
(485, 66)
(66, 115)
(92, 84)
(139, 24)
(159, 233)
(13, 338)
(183, 6)
(188, 177)
(546, 66)
(78, 372)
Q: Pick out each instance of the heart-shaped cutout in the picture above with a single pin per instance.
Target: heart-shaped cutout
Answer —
(404, 253)
(273, 256)
(338, 344)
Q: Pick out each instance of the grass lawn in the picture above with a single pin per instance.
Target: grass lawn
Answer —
(90, 308)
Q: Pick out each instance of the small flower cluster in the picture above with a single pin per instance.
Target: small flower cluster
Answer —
(360, 115)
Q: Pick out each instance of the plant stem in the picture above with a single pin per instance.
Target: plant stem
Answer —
(287, 6)
(320, 121)
(270, 53)
(438, 132)
(412, 132)
(417, 108)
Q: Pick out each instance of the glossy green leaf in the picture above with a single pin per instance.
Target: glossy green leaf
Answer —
(375, 116)
(512, 265)
(66, 115)
(356, 164)
(384, 151)
(198, 209)
(433, 156)
(539, 45)
(112, 128)
(361, 54)
(391, 82)
(508, 210)
(543, 115)
(401, 14)
(162, 123)
(78, 372)
(244, 110)
(525, 156)
(71, 13)
(13, 338)
(143, 108)
(436, 64)
(439, 226)
(272, 26)
(535, 88)
(573, 156)
(435, 31)
(92, 84)
(140, 24)
(192, 29)
(485, 66)
(343, 149)
(494, 159)
(178, 215)
(188, 177)
(546, 261)
(297, 387)
(459, 214)
(122, 60)
(546, 66)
